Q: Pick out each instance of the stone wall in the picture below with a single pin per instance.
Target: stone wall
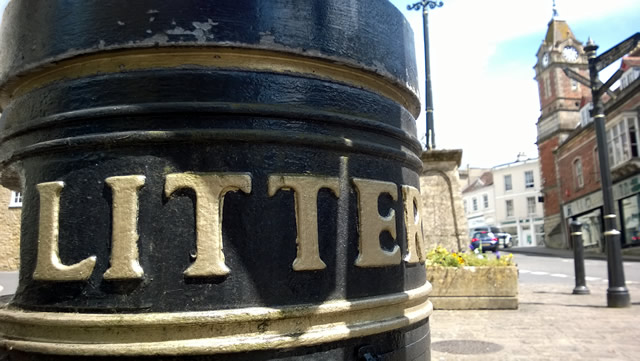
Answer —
(9, 233)
(443, 219)
(473, 288)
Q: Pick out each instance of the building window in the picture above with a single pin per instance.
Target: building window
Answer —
(628, 77)
(591, 228)
(630, 216)
(633, 137)
(509, 207)
(474, 203)
(528, 179)
(574, 85)
(585, 114)
(507, 182)
(577, 173)
(531, 205)
(16, 200)
(547, 87)
(485, 201)
(622, 141)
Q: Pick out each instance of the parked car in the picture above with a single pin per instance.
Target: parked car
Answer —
(504, 239)
(492, 229)
(488, 240)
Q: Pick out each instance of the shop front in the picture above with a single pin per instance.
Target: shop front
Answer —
(588, 211)
(526, 232)
(627, 196)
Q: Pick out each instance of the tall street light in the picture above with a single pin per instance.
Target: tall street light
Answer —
(617, 292)
(425, 6)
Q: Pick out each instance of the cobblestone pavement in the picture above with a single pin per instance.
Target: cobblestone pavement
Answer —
(550, 324)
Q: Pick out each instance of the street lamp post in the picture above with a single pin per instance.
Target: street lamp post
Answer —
(425, 6)
(617, 293)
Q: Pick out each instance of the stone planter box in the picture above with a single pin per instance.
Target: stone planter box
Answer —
(473, 288)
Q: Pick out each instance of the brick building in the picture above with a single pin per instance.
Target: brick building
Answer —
(582, 198)
(560, 101)
(567, 143)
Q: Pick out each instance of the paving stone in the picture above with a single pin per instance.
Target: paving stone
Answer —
(550, 324)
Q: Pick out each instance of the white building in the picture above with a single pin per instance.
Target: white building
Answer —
(479, 202)
(517, 207)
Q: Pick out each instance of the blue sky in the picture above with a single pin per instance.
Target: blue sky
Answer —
(482, 55)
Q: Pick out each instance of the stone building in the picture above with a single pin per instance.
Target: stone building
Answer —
(508, 197)
(469, 174)
(10, 210)
(479, 202)
(517, 195)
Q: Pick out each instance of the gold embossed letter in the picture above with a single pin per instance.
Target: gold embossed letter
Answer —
(124, 248)
(49, 267)
(305, 189)
(415, 237)
(371, 224)
(210, 189)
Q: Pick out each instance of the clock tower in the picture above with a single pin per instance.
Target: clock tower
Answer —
(560, 99)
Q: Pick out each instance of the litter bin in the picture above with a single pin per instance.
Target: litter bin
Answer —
(214, 180)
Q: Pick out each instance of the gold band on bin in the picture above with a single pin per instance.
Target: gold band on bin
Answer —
(220, 58)
(211, 332)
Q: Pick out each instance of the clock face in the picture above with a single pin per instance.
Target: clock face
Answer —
(570, 53)
(545, 59)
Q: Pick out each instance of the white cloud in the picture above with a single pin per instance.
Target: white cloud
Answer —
(490, 116)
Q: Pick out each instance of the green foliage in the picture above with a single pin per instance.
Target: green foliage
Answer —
(439, 256)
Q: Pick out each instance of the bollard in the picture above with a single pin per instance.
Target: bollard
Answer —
(578, 259)
(213, 180)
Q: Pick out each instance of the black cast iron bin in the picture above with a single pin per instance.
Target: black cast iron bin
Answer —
(213, 180)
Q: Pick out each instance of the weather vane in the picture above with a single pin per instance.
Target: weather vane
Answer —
(428, 98)
(555, 11)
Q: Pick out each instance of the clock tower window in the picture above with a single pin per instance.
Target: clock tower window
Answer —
(547, 86)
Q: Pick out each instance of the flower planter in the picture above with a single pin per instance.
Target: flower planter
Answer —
(473, 288)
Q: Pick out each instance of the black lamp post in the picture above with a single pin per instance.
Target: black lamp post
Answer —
(425, 6)
(617, 293)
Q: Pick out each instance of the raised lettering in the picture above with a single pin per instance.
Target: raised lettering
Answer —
(415, 237)
(210, 189)
(305, 190)
(124, 247)
(49, 267)
(371, 224)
